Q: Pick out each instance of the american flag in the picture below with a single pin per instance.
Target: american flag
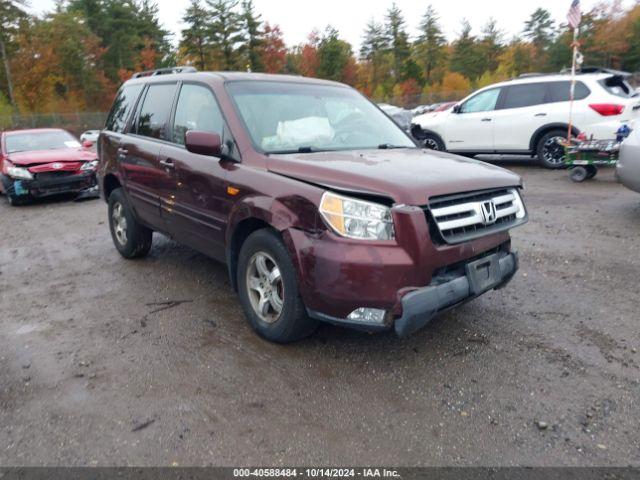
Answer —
(574, 16)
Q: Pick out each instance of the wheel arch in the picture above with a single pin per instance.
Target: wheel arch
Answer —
(419, 133)
(257, 213)
(540, 132)
(109, 184)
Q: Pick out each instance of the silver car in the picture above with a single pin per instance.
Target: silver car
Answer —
(628, 167)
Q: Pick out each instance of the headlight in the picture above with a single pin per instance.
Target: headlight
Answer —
(353, 218)
(87, 166)
(19, 173)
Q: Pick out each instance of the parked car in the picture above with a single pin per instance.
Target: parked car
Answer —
(628, 166)
(444, 106)
(420, 109)
(322, 208)
(42, 162)
(528, 115)
(399, 115)
(90, 136)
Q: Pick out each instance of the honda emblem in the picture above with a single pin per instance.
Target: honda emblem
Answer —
(489, 215)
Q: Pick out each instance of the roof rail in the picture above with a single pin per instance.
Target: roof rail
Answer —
(588, 69)
(532, 74)
(165, 71)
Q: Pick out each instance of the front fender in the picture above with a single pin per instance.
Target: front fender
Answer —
(280, 213)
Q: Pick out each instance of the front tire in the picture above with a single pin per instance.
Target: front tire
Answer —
(8, 188)
(551, 153)
(432, 142)
(268, 290)
(130, 238)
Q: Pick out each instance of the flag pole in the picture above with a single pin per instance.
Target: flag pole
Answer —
(573, 83)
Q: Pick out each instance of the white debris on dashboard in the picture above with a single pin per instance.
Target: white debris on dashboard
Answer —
(300, 132)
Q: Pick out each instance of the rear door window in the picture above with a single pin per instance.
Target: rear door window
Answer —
(153, 116)
(122, 105)
(527, 95)
(561, 91)
(197, 109)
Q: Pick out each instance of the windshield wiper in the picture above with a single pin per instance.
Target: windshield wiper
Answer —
(305, 149)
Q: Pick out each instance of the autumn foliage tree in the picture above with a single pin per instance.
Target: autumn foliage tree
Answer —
(74, 58)
(274, 50)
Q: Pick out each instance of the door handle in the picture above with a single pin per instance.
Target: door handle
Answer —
(167, 163)
(541, 115)
(122, 153)
(485, 120)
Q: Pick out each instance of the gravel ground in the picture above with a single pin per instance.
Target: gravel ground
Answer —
(106, 361)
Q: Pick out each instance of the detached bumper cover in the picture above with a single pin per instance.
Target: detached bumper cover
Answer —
(421, 306)
(55, 185)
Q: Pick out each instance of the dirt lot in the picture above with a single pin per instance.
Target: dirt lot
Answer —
(108, 361)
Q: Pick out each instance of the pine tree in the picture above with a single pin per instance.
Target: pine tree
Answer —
(430, 46)
(124, 27)
(373, 49)
(194, 37)
(464, 58)
(11, 14)
(491, 45)
(253, 36)
(540, 29)
(397, 38)
(374, 41)
(333, 55)
(225, 32)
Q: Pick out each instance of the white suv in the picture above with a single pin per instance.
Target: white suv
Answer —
(529, 114)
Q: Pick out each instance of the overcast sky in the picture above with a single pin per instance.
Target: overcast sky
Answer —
(298, 17)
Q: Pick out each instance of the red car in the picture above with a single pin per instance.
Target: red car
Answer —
(46, 161)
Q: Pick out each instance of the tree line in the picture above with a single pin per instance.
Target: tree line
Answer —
(75, 57)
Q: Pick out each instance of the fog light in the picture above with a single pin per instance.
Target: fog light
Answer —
(367, 315)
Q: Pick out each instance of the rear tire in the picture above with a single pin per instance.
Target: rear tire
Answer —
(550, 153)
(130, 238)
(268, 290)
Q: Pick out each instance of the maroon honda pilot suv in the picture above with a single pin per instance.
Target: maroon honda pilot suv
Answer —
(323, 209)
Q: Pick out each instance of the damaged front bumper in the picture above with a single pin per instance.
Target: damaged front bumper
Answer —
(44, 186)
(419, 306)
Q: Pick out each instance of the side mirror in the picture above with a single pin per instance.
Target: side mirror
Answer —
(203, 143)
(87, 144)
(457, 108)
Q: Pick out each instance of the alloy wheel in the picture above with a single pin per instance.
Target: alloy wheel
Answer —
(119, 223)
(265, 287)
(431, 144)
(553, 151)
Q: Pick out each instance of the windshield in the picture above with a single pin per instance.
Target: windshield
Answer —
(292, 117)
(27, 142)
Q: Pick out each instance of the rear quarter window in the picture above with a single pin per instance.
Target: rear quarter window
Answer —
(122, 105)
(618, 86)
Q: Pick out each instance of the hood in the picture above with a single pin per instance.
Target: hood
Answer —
(48, 156)
(408, 176)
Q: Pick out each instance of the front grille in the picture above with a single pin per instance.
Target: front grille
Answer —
(45, 176)
(462, 217)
